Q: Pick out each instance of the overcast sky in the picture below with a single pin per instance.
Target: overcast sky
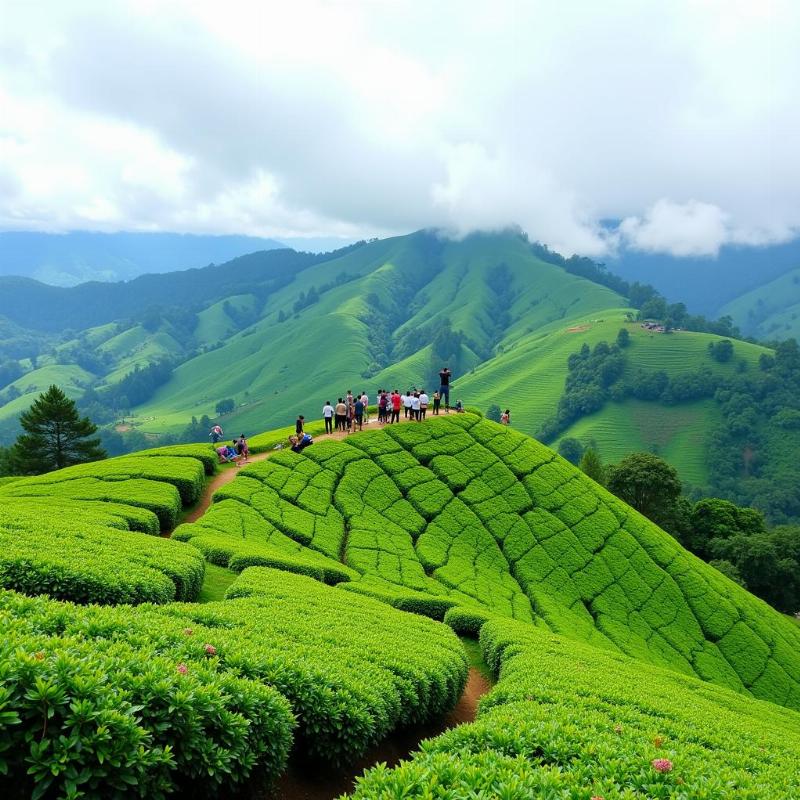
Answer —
(292, 118)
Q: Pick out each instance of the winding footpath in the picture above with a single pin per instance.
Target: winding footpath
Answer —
(304, 782)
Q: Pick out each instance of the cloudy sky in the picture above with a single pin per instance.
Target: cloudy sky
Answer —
(678, 120)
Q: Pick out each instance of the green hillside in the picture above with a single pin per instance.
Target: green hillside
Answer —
(770, 311)
(279, 333)
(626, 665)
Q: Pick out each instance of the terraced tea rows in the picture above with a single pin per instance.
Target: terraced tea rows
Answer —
(460, 512)
(205, 692)
(569, 720)
(455, 518)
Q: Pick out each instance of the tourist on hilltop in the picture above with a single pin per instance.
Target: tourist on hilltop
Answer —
(444, 388)
(407, 404)
(423, 403)
(242, 448)
(300, 442)
(383, 406)
(437, 398)
(396, 401)
(341, 414)
(349, 402)
(216, 434)
(222, 453)
(505, 417)
(299, 425)
(415, 406)
(327, 415)
(459, 407)
(358, 414)
(365, 403)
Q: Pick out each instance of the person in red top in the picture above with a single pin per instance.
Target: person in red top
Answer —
(397, 401)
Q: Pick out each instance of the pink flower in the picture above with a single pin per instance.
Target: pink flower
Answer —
(188, 631)
(182, 668)
(210, 649)
(662, 765)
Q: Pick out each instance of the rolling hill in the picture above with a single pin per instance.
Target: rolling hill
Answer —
(626, 665)
(280, 332)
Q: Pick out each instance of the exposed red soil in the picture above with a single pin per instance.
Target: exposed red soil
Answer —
(312, 782)
(578, 328)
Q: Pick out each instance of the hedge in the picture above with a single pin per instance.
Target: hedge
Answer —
(95, 564)
(567, 720)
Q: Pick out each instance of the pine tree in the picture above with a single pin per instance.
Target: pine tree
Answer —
(592, 466)
(55, 436)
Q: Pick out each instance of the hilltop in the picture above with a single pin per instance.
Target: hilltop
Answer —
(277, 333)
(578, 600)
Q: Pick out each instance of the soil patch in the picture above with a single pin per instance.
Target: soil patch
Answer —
(578, 328)
(303, 781)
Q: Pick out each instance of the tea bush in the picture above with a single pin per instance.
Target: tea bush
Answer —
(461, 512)
(75, 560)
(567, 720)
(87, 713)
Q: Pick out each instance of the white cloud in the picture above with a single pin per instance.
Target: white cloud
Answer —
(315, 118)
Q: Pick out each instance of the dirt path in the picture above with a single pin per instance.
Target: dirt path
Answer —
(229, 472)
(311, 782)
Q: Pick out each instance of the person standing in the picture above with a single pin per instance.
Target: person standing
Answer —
(444, 388)
(349, 402)
(436, 400)
(397, 401)
(365, 403)
(423, 404)
(216, 434)
(298, 426)
(243, 449)
(358, 414)
(381, 406)
(415, 406)
(341, 413)
(407, 404)
(327, 415)
(505, 417)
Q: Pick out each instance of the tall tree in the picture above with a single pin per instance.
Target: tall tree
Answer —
(647, 483)
(55, 436)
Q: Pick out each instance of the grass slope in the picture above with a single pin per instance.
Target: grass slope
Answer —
(597, 623)
(770, 311)
(461, 512)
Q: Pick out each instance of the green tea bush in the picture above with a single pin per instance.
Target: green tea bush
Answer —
(460, 511)
(162, 499)
(185, 474)
(94, 564)
(567, 720)
(204, 453)
(87, 713)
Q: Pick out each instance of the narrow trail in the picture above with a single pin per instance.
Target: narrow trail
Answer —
(230, 471)
(304, 781)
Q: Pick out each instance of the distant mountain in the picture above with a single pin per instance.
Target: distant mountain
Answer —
(708, 285)
(277, 333)
(66, 259)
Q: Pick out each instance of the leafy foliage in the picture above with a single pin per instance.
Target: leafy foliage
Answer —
(55, 436)
(568, 720)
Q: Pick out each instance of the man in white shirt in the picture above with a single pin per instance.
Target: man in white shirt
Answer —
(407, 404)
(423, 404)
(365, 401)
(327, 415)
(415, 407)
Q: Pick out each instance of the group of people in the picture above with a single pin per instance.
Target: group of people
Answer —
(237, 452)
(351, 412)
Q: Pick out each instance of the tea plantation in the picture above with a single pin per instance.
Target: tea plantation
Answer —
(627, 667)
